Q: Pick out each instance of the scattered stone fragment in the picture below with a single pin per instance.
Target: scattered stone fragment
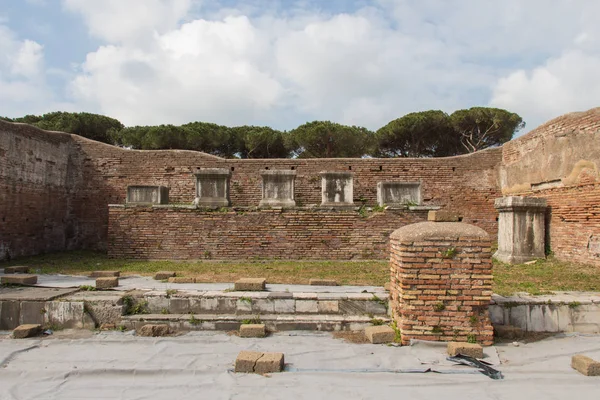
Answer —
(153, 330)
(250, 284)
(181, 279)
(107, 283)
(269, 363)
(253, 330)
(380, 334)
(105, 274)
(585, 365)
(387, 286)
(508, 332)
(27, 330)
(108, 327)
(466, 349)
(16, 270)
(246, 361)
(442, 216)
(162, 275)
(20, 279)
(322, 282)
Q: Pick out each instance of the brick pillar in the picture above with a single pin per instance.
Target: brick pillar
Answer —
(441, 282)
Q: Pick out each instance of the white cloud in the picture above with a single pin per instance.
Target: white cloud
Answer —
(22, 77)
(129, 20)
(563, 84)
(260, 61)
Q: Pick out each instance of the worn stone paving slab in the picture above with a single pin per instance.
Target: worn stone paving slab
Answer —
(33, 293)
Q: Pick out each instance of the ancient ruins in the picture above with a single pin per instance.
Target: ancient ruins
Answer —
(536, 194)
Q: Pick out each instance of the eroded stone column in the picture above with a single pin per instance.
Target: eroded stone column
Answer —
(278, 188)
(521, 229)
(212, 187)
(441, 282)
(337, 189)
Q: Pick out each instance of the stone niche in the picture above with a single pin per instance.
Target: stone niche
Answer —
(398, 193)
(212, 187)
(521, 229)
(147, 195)
(337, 189)
(278, 188)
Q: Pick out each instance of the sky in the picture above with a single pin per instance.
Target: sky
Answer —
(282, 63)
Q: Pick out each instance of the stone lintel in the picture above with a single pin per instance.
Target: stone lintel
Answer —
(212, 171)
(511, 203)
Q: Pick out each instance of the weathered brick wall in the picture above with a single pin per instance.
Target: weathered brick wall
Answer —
(35, 213)
(441, 282)
(573, 220)
(183, 233)
(465, 184)
(560, 161)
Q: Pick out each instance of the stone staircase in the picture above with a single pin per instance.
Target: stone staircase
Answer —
(280, 311)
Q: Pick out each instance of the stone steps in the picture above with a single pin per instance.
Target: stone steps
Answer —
(250, 303)
(273, 322)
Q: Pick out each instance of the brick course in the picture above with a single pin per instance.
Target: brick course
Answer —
(175, 233)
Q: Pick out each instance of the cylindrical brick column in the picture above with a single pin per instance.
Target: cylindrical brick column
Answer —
(441, 282)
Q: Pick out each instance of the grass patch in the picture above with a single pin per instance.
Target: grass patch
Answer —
(540, 278)
(544, 277)
(80, 262)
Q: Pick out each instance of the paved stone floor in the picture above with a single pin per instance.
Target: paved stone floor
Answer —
(115, 365)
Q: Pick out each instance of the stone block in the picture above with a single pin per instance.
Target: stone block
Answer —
(307, 306)
(466, 349)
(20, 279)
(269, 363)
(246, 361)
(27, 330)
(278, 188)
(585, 365)
(17, 269)
(521, 229)
(107, 283)
(322, 282)
(380, 334)
(162, 275)
(147, 195)
(182, 279)
(108, 327)
(154, 330)
(253, 330)
(398, 193)
(337, 189)
(105, 274)
(442, 216)
(250, 284)
(212, 187)
(328, 306)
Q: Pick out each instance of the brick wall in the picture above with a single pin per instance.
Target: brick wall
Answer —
(573, 220)
(441, 282)
(560, 161)
(35, 214)
(465, 184)
(183, 233)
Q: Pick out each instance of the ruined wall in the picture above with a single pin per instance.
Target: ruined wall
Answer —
(184, 233)
(466, 184)
(35, 212)
(560, 161)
